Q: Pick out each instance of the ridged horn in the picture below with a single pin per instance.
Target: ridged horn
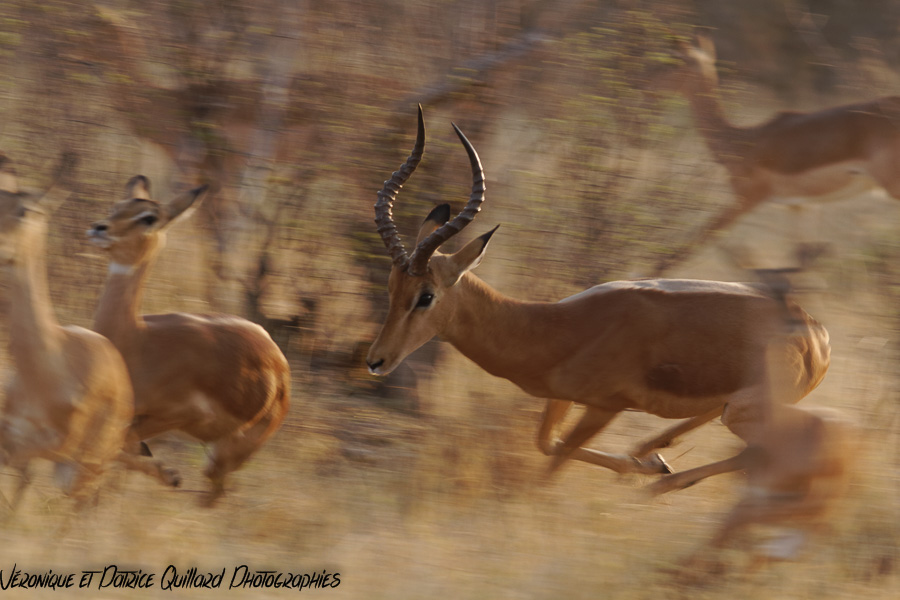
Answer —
(418, 263)
(384, 220)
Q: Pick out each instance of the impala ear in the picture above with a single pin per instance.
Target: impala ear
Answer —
(9, 182)
(138, 187)
(179, 206)
(439, 215)
(706, 44)
(468, 257)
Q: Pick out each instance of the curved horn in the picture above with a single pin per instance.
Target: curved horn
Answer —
(418, 264)
(383, 218)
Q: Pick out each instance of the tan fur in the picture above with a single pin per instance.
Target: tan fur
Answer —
(70, 400)
(218, 378)
(673, 348)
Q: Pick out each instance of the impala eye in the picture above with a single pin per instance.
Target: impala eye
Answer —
(148, 220)
(425, 300)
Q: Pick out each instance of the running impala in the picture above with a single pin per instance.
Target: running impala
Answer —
(673, 348)
(796, 158)
(219, 378)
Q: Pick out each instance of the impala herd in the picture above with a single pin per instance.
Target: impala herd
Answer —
(679, 349)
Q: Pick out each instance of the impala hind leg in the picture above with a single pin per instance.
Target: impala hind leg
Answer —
(230, 452)
(228, 455)
(745, 414)
(592, 421)
(685, 479)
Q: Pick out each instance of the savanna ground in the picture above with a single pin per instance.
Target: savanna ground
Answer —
(432, 486)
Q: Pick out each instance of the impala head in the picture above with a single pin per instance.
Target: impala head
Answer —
(136, 227)
(22, 218)
(697, 66)
(421, 285)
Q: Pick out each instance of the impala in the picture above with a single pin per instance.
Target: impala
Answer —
(673, 348)
(70, 400)
(218, 378)
(795, 157)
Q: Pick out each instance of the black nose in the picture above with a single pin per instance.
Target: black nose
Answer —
(375, 365)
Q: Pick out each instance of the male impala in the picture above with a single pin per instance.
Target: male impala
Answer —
(820, 156)
(219, 378)
(673, 348)
(70, 400)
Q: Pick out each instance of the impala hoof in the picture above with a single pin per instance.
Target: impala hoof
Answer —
(661, 465)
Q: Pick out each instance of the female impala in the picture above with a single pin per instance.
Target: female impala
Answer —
(219, 378)
(795, 157)
(70, 400)
(673, 348)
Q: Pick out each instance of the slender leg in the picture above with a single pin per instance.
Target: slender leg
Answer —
(747, 198)
(665, 439)
(553, 415)
(150, 466)
(591, 423)
(230, 453)
(679, 481)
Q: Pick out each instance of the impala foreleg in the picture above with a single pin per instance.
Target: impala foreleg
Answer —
(667, 437)
(721, 221)
(554, 413)
(591, 422)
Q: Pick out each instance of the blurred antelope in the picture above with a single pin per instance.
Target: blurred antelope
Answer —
(70, 400)
(795, 157)
(797, 469)
(219, 378)
(673, 348)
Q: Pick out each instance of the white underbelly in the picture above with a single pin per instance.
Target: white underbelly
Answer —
(825, 184)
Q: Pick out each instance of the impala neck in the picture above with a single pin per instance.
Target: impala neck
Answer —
(117, 316)
(35, 338)
(506, 337)
(721, 137)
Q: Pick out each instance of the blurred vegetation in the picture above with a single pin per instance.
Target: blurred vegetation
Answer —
(298, 111)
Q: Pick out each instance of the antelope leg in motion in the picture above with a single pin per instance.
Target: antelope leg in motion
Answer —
(665, 439)
(591, 422)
